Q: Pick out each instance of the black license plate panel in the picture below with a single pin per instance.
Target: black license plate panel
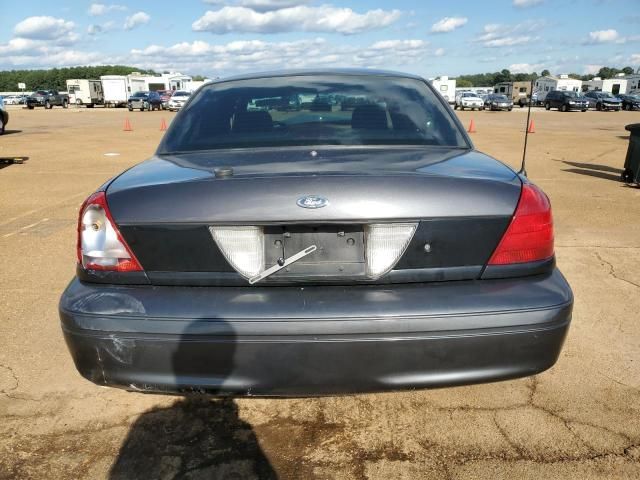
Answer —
(340, 249)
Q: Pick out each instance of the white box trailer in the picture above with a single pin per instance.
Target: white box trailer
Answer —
(446, 87)
(620, 84)
(563, 83)
(116, 90)
(85, 92)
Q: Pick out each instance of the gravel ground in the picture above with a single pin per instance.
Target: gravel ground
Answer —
(581, 419)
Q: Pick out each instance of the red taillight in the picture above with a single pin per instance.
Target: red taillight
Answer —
(529, 237)
(100, 245)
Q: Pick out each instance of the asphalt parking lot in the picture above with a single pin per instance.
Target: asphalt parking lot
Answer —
(579, 420)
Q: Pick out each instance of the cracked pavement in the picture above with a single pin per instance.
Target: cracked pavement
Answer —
(579, 420)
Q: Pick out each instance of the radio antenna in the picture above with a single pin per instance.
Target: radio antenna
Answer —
(523, 166)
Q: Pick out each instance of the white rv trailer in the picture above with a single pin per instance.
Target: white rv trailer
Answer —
(166, 81)
(446, 87)
(619, 85)
(563, 82)
(116, 90)
(85, 92)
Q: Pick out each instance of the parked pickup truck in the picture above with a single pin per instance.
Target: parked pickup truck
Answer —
(47, 99)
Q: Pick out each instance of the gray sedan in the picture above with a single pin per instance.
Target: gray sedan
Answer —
(603, 101)
(498, 102)
(268, 251)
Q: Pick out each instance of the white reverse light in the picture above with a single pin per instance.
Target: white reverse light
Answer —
(384, 244)
(100, 244)
(243, 247)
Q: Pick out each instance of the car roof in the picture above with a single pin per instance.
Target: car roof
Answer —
(313, 72)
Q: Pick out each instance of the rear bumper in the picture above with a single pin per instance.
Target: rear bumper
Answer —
(293, 341)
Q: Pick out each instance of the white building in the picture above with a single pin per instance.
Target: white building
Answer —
(633, 82)
(563, 82)
(85, 92)
(166, 81)
(116, 90)
(446, 87)
(620, 84)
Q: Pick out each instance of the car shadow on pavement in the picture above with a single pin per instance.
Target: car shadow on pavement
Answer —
(194, 438)
(199, 436)
(594, 170)
(8, 161)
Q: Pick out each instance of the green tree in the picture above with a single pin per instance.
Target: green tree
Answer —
(545, 73)
(627, 70)
(608, 72)
(56, 78)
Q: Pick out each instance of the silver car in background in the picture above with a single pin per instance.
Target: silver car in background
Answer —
(177, 100)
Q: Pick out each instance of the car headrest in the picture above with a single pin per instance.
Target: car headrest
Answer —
(369, 117)
(402, 122)
(250, 122)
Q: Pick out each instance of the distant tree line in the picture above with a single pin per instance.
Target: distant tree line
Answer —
(489, 79)
(56, 78)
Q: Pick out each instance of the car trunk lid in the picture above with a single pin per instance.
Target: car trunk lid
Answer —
(459, 201)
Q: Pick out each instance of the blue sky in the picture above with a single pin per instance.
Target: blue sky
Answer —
(222, 37)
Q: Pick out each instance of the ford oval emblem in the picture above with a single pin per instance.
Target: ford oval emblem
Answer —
(312, 201)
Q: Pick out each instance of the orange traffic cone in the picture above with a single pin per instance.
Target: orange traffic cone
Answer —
(163, 125)
(127, 126)
(532, 127)
(472, 127)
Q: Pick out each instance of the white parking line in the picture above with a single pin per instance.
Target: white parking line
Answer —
(25, 228)
(30, 212)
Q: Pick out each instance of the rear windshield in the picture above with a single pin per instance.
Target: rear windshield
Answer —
(313, 110)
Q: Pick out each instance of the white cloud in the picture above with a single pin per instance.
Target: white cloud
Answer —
(43, 53)
(20, 46)
(634, 59)
(497, 35)
(324, 18)
(439, 52)
(44, 28)
(96, 29)
(268, 5)
(604, 36)
(448, 24)
(525, 67)
(508, 41)
(248, 55)
(97, 9)
(526, 3)
(592, 69)
(398, 45)
(138, 18)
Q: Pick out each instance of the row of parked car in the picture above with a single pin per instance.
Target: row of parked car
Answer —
(560, 99)
(15, 99)
(473, 101)
(145, 100)
(172, 100)
(565, 101)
